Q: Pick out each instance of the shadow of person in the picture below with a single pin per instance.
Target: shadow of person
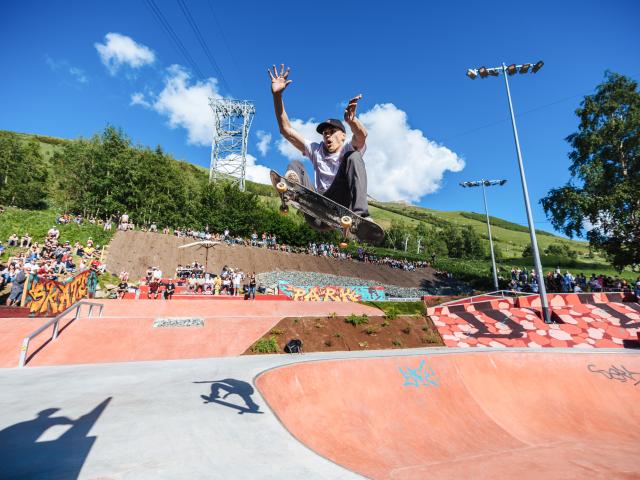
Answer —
(23, 456)
(232, 386)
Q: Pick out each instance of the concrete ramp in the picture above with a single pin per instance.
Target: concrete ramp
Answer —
(477, 415)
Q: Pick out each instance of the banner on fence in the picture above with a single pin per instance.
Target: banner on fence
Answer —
(332, 293)
(48, 297)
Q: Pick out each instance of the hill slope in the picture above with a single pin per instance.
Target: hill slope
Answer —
(136, 251)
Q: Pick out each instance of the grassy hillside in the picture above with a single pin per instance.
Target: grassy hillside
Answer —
(509, 238)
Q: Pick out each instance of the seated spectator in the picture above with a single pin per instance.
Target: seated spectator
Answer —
(25, 241)
(53, 233)
(169, 290)
(154, 287)
(123, 287)
(13, 241)
(1, 248)
(89, 250)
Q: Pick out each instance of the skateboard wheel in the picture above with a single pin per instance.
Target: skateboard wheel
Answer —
(284, 209)
(344, 245)
(281, 187)
(346, 221)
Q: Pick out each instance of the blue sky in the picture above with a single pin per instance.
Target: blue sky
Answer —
(73, 67)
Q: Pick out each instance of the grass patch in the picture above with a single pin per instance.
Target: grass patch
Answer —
(276, 331)
(393, 309)
(431, 337)
(396, 343)
(266, 345)
(371, 330)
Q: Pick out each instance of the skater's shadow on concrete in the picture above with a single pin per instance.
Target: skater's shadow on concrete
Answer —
(29, 449)
(232, 386)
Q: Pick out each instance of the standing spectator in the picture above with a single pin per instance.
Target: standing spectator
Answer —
(18, 286)
(237, 279)
(252, 286)
(638, 289)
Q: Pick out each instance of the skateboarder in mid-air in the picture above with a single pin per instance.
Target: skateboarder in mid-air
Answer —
(338, 166)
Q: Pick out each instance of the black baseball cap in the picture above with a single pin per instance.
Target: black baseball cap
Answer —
(331, 122)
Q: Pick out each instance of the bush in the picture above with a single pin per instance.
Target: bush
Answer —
(431, 337)
(266, 345)
(356, 320)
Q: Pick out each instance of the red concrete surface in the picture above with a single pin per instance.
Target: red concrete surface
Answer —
(125, 331)
(584, 321)
(476, 416)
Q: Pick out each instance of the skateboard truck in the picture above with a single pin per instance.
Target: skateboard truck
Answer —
(281, 187)
(345, 223)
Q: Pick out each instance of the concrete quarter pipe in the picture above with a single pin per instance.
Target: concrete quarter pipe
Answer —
(476, 415)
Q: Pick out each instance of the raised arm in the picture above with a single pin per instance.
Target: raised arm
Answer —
(279, 82)
(356, 126)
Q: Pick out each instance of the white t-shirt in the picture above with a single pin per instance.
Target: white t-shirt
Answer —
(325, 164)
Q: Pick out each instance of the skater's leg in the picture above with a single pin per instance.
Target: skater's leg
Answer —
(303, 176)
(349, 188)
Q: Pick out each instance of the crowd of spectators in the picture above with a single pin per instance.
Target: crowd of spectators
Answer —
(230, 282)
(51, 260)
(526, 281)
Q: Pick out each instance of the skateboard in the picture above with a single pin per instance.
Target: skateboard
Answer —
(326, 211)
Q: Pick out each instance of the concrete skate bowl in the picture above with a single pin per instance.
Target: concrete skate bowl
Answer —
(466, 415)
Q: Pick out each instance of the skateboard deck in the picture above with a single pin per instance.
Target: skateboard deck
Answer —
(325, 210)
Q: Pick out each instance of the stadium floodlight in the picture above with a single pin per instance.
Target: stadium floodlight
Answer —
(511, 69)
(525, 192)
(472, 74)
(493, 71)
(483, 72)
(488, 183)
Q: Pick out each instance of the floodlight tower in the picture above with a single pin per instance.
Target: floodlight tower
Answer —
(483, 184)
(232, 121)
(507, 71)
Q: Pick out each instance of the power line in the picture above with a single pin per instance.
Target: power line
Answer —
(522, 114)
(202, 42)
(176, 40)
(224, 38)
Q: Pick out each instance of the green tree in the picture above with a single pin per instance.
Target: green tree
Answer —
(23, 174)
(603, 194)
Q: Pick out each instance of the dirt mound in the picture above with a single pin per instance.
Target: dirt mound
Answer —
(135, 251)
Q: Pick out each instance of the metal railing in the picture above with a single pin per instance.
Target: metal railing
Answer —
(497, 293)
(56, 329)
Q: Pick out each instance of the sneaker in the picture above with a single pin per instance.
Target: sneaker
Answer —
(292, 176)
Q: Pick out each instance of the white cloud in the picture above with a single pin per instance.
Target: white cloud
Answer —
(186, 105)
(256, 173)
(402, 164)
(78, 74)
(119, 50)
(264, 142)
(138, 98)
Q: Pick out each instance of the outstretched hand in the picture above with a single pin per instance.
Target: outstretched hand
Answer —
(350, 111)
(279, 80)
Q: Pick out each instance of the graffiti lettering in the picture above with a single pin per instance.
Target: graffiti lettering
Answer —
(621, 374)
(331, 293)
(421, 376)
(48, 297)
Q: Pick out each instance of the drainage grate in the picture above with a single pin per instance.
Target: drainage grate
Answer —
(170, 322)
